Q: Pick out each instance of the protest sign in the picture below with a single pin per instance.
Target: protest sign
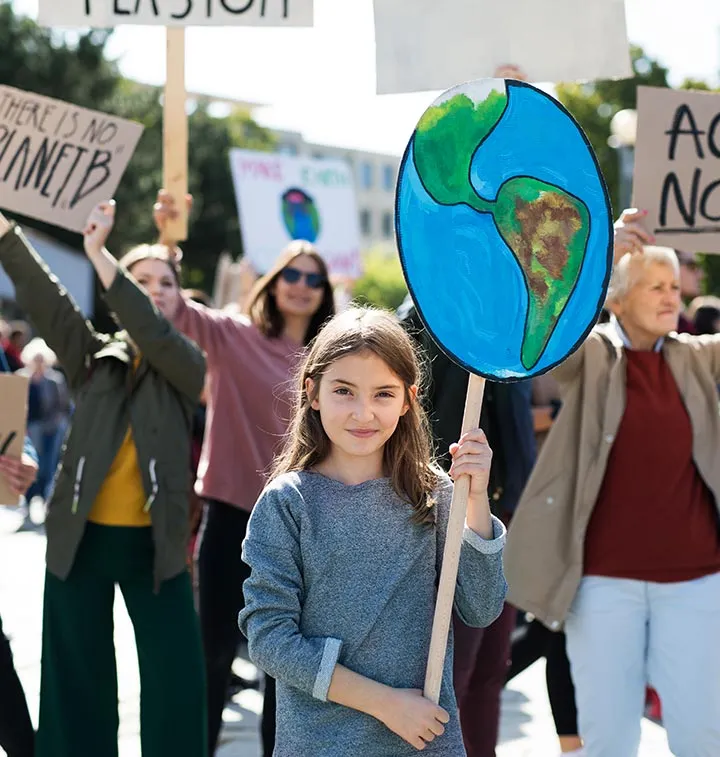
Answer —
(57, 161)
(677, 167)
(282, 197)
(110, 13)
(425, 45)
(504, 229)
(13, 411)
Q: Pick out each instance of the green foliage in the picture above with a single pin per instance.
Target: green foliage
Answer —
(594, 105)
(382, 283)
(446, 140)
(37, 60)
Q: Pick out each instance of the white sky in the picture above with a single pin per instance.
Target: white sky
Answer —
(321, 81)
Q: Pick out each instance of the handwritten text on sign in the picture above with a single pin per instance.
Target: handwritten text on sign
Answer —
(283, 197)
(107, 13)
(57, 160)
(677, 167)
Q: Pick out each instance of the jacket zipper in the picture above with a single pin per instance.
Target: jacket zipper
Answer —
(78, 482)
(153, 480)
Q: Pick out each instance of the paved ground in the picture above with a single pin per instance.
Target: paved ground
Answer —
(526, 723)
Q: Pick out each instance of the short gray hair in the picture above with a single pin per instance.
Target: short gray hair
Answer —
(37, 348)
(628, 269)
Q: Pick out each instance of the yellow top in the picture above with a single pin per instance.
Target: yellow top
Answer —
(121, 499)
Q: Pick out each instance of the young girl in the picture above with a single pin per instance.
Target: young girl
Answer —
(118, 514)
(345, 547)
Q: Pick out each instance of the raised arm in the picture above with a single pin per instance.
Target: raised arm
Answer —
(211, 329)
(51, 309)
(169, 352)
(480, 590)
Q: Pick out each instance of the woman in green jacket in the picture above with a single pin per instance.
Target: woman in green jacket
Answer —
(118, 514)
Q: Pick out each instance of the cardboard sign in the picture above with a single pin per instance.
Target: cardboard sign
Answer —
(426, 45)
(57, 161)
(107, 13)
(281, 198)
(504, 228)
(677, 167)
(13, 413)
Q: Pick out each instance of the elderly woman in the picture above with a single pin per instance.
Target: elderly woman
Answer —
(616, 536)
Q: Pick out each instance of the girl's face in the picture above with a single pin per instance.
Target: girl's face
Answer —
(293, 294)
(360, 401)
(157, 279)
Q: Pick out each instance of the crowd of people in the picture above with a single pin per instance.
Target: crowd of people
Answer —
(268, 479)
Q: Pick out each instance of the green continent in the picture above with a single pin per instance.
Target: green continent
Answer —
(547, 230)
(446, 140)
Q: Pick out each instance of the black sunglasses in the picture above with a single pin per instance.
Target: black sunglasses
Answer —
(293, 275)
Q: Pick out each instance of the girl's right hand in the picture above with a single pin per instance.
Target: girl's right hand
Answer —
(412, 717)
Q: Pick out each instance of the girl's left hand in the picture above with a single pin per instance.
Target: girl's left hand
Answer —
(472, 456)
(98, 227)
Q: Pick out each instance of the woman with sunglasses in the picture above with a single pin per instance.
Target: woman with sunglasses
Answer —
(251, 361)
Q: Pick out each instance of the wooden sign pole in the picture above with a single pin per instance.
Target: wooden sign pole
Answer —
(175, 132)
(451, 555)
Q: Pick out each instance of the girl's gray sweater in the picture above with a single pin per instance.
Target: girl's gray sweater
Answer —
(340, 574)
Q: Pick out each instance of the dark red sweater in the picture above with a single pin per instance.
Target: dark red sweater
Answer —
(655, 519)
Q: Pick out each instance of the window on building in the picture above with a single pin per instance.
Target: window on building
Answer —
(366, 175)
(387, 225)
(389, 178)
(365, 223)
(287, 149)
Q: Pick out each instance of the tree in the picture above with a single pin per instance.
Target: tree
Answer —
(37, 60)
(32, 59)
(594, 105)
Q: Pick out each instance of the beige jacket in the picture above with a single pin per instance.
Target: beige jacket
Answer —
(544, 552)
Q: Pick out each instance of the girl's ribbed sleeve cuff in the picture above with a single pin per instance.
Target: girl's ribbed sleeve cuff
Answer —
(330, 657)
(487, 546)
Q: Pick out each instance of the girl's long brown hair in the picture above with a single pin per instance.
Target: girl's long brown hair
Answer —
(408, 453)
(262, 307)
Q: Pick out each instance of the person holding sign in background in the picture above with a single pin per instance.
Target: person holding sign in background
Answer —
(616, 535)
(118, 514)
(251, 361)
(344, 547)
(17, 737)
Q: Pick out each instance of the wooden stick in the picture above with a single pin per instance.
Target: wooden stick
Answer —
(175, 132)
(451, 555)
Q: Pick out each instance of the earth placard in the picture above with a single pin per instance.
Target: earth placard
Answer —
(286, 197)
(504, 228)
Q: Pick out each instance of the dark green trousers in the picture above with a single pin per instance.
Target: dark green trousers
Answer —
(79, 690)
